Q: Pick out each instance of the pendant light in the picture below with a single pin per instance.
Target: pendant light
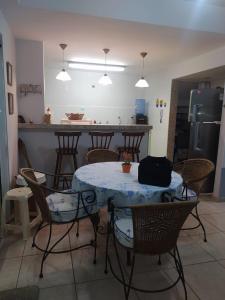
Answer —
(105, 80)
(142, 83)
(63, 75)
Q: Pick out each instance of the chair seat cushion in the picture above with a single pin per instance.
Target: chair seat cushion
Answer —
(41, 178)
(63, 207)
(191, 195)
(124, 231)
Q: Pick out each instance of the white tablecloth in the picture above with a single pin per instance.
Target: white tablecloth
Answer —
(108, 181)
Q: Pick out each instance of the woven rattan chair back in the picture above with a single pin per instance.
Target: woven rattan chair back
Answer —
(38, 191)
(195, 172)
(157, 226)
(23, 155)
(100, 140)
(101, 155)
(67, 141)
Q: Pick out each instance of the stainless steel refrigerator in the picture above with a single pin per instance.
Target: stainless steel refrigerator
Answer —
(204, 116)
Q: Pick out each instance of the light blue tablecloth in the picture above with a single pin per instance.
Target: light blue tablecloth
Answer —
(108, 181)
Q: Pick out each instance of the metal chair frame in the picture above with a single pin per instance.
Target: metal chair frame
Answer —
(101, 155)
(172, 251)
(196, 183)
(41, 191)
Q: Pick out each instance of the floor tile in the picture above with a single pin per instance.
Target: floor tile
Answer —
(65, 292)
(217, 220)
(191, 252)
(57, 270)
(210, 207)
(207, 280)
(84, 268)
(109, 289)
(9, 270)
(12, 245)
(159, 280)
(192, 222)
(42, 238)
(215, 245)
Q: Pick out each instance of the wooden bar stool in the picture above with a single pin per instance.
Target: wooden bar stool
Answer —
(132, 142)
(100, 139)
(20, 196)
(67, 146)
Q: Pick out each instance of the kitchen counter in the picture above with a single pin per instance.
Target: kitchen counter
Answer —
(84, 127)
(41, 142)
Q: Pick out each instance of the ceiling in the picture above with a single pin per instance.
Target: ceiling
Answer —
(87, 35)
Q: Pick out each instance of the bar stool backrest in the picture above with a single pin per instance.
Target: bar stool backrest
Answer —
(100, 139)
(132, 140)
(68, 141)
(38, 191)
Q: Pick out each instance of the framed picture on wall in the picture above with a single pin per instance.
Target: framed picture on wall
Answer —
(10, 104)
(9, 73)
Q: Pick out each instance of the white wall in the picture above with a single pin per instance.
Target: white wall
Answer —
(101, 103)
(30, 70)
(9, 55)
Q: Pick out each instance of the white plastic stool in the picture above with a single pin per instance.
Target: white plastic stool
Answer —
(20, 196)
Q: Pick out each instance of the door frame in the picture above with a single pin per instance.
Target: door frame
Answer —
(4, 154)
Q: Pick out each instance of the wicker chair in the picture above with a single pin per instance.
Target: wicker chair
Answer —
(195, 173)
(152, 230)
(101, 155)
(61, 207)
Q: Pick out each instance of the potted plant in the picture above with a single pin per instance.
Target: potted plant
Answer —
(126, 165)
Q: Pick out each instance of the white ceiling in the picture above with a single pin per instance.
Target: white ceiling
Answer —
(87, 35)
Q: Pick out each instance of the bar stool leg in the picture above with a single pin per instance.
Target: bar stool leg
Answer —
(75, 162)
(25, 219)
(56, 169)
(137, 157)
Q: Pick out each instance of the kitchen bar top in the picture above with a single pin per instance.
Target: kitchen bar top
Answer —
(84, 127)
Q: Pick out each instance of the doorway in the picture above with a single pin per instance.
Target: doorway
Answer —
(179, 135)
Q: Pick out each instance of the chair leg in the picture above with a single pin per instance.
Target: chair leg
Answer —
(159, 260)
(75, 162)
(200, 222)
(78, 226)
(107, 248)
(180, 271)
(25, 219)
(128, 258)
(56, 170)
(138, 159)
(46, 253)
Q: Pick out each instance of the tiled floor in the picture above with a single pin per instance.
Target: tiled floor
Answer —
(73, 275)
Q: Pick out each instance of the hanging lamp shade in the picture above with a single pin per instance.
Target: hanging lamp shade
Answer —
(142, 82)
(105, 79)
(63, 74)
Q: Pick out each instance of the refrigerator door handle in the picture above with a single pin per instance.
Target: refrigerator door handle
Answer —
(214, 122)
(196, 137)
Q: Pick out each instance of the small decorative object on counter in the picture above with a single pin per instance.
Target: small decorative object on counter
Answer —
(47, 116)
(126, 165)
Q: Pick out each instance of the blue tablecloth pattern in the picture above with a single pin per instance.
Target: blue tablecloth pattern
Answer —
(108, 181)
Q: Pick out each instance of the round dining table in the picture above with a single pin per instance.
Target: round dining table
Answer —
(109, 182)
